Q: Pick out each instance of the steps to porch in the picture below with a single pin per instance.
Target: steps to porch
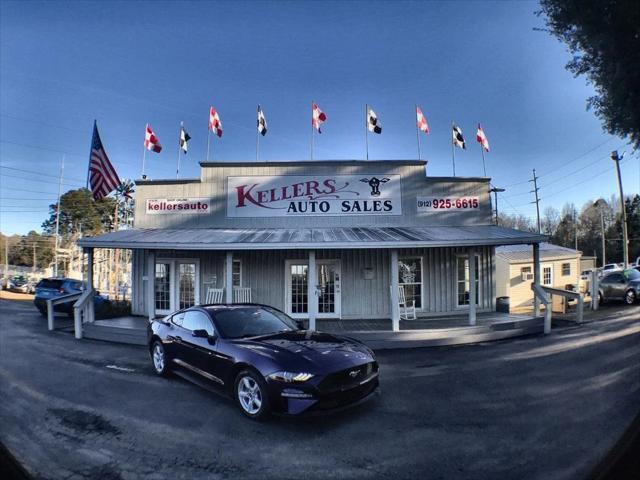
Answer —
(377, 334)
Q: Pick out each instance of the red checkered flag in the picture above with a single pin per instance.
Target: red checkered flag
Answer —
(318, 117)
(421, 121)
(481, 138)
(215, 125)
(151, 142)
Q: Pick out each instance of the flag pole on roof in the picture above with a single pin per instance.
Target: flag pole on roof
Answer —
(312, 127)
(95, 123)
(366, 128)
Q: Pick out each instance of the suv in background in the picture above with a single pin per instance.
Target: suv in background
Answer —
(49, 288)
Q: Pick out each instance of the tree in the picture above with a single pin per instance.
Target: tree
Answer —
(79, 212)
(550, 221)
(604, 39)
(519, 222)
(565, 233)
(614, 232)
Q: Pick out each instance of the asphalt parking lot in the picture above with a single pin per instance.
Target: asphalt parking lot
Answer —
(531, 408)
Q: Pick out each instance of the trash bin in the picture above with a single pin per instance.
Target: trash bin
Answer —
(502, 304)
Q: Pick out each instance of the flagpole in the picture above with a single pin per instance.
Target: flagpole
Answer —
(418, 133)
(57, 239)
(484, 167)
(144, 156)
(258, 136)
(208, 141)
(366, 128)
(179, 149)
(311, 129)
(453, 150)
(95, 126)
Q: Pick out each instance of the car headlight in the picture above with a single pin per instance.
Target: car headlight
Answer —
(290, 377)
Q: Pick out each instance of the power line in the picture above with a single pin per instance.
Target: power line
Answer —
(579, 157)
(40, 173)
(38, 180)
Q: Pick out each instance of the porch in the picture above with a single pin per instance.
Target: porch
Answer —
(376, 333)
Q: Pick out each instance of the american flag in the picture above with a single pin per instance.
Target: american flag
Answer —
(215, 125)
(103, 178)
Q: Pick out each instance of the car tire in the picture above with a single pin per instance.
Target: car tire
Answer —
(630, 297)
(250, 394)
(600, 299)
(159, 359)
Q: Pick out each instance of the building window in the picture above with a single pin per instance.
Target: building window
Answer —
(524, 270)
(566, 269)
(547, 276)
(410, 272)
(236, 273)
(299, 300)
(464, 280)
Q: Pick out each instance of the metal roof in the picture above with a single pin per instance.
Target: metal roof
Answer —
(524, 254)
(304, 238)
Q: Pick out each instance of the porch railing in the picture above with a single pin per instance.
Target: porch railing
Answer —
(545, 295)
(56, 301)
(83, 311)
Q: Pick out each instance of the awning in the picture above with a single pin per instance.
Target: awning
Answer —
(307, 238)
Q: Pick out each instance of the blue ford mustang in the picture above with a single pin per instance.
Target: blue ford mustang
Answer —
(262, 359)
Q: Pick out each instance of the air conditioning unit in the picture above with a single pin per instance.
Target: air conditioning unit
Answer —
(526, 276)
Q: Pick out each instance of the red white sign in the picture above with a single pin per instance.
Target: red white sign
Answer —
(313, 195)
(177, 206)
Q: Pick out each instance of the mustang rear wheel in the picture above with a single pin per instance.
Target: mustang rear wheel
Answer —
(159, 357)
(250, 393)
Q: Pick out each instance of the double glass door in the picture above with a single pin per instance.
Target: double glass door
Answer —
(176, 284)
(327, 289)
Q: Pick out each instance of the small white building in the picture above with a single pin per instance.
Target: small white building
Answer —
(559, 267)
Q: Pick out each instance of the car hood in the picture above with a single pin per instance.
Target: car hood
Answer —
(315, 352)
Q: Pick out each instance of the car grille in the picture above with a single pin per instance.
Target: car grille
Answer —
(345, 398)
(348, 378)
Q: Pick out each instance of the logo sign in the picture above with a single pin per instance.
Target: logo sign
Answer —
(435, 204)
(314, 195)
(354, 373)
(177, 206)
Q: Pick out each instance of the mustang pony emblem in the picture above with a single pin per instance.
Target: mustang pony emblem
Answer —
(374, 183)
(354, 373)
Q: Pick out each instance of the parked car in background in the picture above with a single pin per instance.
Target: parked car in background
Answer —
(262, 359)
(608, 268)
(49, 288)
(19, 284)
(623, 285)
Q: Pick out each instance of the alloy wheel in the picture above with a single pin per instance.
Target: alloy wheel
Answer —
(249, 395)
(630, 297)
(158, 358)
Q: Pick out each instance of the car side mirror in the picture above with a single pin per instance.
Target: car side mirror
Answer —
(200, 334)
(300, 324)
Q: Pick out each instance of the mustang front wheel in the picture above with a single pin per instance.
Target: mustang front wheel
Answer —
(251, 395)
(159, 358)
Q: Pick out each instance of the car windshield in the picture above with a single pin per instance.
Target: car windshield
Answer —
(241, 322)
(631, 274)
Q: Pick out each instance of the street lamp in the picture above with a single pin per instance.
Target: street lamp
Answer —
(625, 239)
(495, 191)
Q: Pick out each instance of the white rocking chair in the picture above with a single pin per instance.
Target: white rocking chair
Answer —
(241, 295)
(407, 309)
(214, 295)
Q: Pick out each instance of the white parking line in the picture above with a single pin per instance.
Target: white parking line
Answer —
(122, 369)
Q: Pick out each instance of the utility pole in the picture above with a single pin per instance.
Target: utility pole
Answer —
(57, 240)
(575, 226)
(6, 258)
(625, 237)
(495, 191)
(33, 268)
(537, 201)
(598, 204)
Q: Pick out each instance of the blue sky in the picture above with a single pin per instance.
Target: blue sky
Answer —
(62, 64)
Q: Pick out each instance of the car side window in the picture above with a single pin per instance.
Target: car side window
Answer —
(177, 319)
(613, 278)
(197, 320)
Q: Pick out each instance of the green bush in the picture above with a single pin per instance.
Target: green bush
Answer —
(112, 309)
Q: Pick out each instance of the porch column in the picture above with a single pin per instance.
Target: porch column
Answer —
(151, 284)
(472, 286)
(395, 307)
(312, 297)
(536, 278)
(90, 268)
(228, 278)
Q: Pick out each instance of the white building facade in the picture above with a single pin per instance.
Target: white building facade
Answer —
(316, 239)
